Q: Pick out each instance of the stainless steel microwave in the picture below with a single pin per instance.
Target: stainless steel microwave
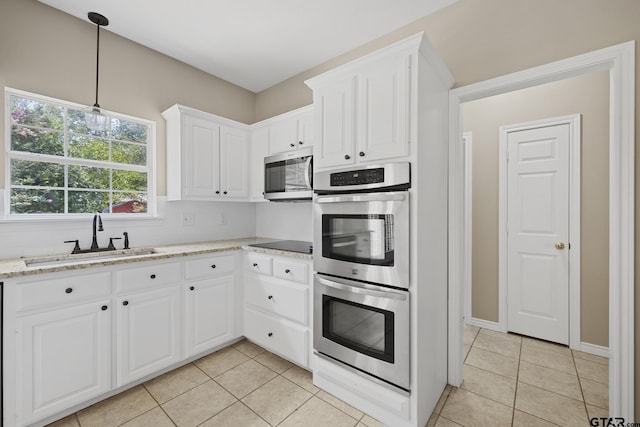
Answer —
(288, 177)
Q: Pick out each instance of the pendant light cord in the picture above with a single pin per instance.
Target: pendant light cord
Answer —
(97, 63)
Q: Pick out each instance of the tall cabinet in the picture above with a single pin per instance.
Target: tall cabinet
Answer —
(392, 106)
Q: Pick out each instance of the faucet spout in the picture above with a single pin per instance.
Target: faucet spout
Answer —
(97, 221)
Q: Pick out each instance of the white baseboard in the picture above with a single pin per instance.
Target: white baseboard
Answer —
(594, 349)
(485, 324)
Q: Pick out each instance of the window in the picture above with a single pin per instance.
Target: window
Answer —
(57, 166)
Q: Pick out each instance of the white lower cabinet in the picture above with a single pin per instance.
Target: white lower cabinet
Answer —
(277, 301)
(148, 332)
(62, 329)
(64, 358)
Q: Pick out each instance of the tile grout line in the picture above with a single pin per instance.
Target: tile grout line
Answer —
(515, 393)
(159, 405)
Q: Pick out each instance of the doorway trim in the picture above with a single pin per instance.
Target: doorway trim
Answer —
(467, 144)
(620, 61)
(574, 220)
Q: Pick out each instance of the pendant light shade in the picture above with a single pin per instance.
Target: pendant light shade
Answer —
(95, 119)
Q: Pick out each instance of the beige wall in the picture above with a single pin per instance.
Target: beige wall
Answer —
(479, 40)
(588, 96)
(48, 52)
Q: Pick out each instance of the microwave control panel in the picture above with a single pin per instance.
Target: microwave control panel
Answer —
(357, 177)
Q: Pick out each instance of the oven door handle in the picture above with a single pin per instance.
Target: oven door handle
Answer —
(384, 197)
(359, 288)
(308, 176)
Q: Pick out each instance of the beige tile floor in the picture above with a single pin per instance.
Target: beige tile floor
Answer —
(508, 381)
(239, 386)
(517, 381)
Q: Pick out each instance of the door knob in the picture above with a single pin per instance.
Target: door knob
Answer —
(560, 245)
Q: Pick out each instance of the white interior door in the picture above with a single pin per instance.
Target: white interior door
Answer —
(538, 232)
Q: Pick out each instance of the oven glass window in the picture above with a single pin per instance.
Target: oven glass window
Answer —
(365, 239)
(286, 175)
(365, 329)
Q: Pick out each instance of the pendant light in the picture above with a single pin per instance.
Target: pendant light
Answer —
(93, 116)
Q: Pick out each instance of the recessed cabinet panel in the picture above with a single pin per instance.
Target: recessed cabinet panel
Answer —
(283, 136)
(148, 332)
(234, 163)
(65, 358)
(201, 178)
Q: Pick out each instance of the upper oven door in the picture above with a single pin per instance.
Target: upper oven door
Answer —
(289, 175)
(363, 237)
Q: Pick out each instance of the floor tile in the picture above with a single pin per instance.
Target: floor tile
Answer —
(70, 421)
(221, 361)
(550, 379)
(176, 382)
(505, 336)
(154, 418)
(198, 404)
(487, 384)
(273, 362)
(493, 362)
(443, 399)
(470, 409)
(558, 348)
(236, 415)
(117, 409)
(590, 357)
(276, 400)
(467, 348)
(595, 412)
(497, 345)
(470, 333)
(522, 419)
(245, 378)
(301, 377)
(548, 358)
(370, 422)
(249, 348)
(595, 393)
(550, 406)
(433, 419)
(592, 371)
(318, 413)
(344, 407)
(443, 422)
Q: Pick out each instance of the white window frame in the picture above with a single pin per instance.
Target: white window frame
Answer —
(151, 164)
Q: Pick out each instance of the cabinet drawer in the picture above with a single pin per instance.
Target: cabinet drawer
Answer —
(258, 263)
(276, 296)
(278, 335)
(210, 266)
(152, 275)
(62, 290)
(290, 270)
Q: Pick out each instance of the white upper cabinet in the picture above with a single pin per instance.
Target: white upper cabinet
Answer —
(259, 150)
(290, 131)
(207, 156)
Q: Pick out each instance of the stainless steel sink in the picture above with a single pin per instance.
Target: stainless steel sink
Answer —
(87, 257)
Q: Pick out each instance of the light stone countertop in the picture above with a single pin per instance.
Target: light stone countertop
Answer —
(16, 267)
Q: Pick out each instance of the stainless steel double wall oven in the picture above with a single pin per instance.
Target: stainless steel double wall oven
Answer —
(361, 260)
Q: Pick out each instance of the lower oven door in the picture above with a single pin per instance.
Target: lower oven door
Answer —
(363, 326)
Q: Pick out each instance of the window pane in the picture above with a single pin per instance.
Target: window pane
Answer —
(128, 131)
(25, 172)
(130, 154)
(34, 201)
(129, 203)
(30, 112)
(129, 180)
(88, 201)
(85, 147)
(37, 141)
(88, 177)
(77, 124)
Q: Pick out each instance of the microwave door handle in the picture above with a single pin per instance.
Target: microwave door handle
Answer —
(358, 289)
(388, 197)
(308, 172)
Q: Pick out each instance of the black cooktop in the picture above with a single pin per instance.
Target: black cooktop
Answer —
(287, 245)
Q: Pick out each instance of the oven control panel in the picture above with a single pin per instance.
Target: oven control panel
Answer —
(357, 177)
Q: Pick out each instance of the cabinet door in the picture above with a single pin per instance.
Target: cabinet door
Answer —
(209, 312)
(283, 135)
(305, 129)
(201, 157)
(234, 163)
(148, 330)
(65, 359)
(334, 111)
(259, 147)
(384, 110)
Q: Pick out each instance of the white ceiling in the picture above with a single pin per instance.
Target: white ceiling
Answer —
(252, 43)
